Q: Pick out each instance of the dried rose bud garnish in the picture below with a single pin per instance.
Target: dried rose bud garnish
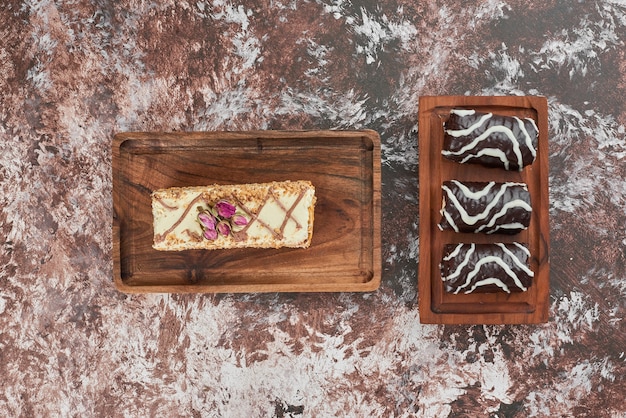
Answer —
(239, 220)
(223, 228)
(210, 234)
(207, 220)
(225, 209)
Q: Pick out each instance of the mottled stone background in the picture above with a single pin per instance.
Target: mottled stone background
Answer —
(74, 73)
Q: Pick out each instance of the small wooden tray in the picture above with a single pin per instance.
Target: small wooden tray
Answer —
(344, 167)
(435, 305)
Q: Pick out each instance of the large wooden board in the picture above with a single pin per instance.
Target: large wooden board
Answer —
(344, 167)
(435, 305)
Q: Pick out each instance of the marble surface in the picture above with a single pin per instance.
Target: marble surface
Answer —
(74, 73)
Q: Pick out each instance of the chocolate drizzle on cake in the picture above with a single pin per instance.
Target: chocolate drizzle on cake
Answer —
(289, 211)
(486, 268)
(193, 235)
(165, 205)
(491, 140)
(486, 207)
(161, 237)
(254, 216)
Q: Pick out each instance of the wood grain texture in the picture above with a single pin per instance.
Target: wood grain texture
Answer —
(344, 167)
(435, 305)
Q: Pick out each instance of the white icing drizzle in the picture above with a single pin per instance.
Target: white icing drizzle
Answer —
(480, 138)
(516, 260)
(523, 248)
(465, 261)
(453, 253)
(450, 220)
(512, 225)
(489, 152)
(474, 195)
(464, 132)
(517, 203)
(463, 112)
(487, 282)
(485, 260)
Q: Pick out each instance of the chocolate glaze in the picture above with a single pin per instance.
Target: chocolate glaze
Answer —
(490, 140)
(485, 207)
(485, 268)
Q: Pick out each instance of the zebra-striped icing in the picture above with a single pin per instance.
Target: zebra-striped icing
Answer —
(482, 268)
(486, 207)
(492, 140)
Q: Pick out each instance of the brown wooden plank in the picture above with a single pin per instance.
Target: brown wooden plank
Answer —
(435, 305)
(344, 166)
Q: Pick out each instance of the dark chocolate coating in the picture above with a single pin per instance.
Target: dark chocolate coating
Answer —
(502, 208)
(475, 268)
(509, 138)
